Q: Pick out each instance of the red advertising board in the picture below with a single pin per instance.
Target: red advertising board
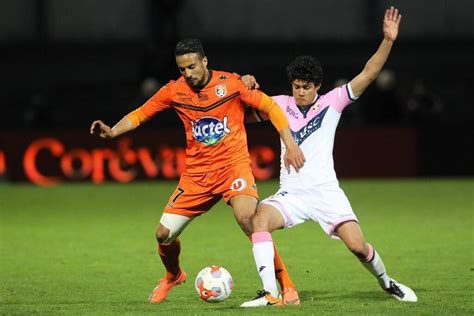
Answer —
(56, 157)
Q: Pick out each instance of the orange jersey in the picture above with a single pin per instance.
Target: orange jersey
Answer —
(213, 118)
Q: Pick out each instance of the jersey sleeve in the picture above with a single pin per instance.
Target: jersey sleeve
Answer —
(340, 97)
(159, 102)
(251, 97)
(263, 103)
(280, 100)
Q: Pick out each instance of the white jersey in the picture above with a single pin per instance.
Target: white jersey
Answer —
(314, 193)
(314, 132)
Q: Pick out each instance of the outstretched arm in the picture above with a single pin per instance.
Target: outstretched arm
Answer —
(159, 102)
(373, 66)
(102, 130)
(127, 123)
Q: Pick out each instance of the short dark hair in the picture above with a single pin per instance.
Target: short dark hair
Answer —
(189, 45)
(305, 68)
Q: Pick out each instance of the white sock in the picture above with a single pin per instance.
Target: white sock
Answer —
(263, 254)
(375, 265)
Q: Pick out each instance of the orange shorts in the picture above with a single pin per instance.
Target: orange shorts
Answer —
(197, 193)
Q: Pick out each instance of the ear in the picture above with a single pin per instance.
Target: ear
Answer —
(318, 87)
(204, 61)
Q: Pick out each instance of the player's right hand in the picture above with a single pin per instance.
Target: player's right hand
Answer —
(391, 22)
(294, 157)
(101, 129)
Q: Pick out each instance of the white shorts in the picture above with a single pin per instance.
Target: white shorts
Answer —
(327, 205)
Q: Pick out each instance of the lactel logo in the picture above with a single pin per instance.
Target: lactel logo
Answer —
(210, 130)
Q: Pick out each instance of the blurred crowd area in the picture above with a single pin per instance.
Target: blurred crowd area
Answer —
(64, 86)
(66, 63)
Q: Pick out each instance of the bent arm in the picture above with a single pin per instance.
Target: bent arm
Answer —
(254, 116)
(293, 156)
(268, 109)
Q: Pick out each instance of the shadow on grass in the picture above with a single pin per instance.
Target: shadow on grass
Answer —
(338, 296)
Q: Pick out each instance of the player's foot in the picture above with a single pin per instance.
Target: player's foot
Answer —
(161, 290)
(290, 296)
(401, 292)
(263, 298)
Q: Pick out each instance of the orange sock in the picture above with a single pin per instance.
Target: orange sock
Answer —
(281, 272)
(169, 255)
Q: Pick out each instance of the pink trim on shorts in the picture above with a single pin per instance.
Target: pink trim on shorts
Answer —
(261, 237)
(370, 256)
(288, 221)
(333, 227)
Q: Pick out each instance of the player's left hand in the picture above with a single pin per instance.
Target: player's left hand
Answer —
(294, 157)
(391, 21)
(250, 82)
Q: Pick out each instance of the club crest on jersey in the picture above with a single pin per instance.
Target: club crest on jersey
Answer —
(238, 184)
(221, 90)
(210, 130)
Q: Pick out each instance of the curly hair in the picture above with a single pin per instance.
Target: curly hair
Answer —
(189, 45)
(305, 68)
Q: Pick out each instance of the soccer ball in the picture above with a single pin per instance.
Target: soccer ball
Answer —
(214, 284)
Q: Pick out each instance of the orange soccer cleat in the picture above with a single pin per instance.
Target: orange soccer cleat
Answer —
(160, 292)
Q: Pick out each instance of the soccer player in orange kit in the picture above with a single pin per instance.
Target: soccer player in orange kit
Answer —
(211, 105)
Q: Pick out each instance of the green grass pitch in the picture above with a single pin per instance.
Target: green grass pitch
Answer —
(90, 250)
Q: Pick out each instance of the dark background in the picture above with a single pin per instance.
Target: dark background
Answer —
(65, 63)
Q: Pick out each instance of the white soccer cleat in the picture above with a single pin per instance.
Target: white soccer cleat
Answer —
(263, 298)
(401, 292)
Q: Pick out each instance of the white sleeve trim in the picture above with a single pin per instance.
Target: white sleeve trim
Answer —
(350, 93)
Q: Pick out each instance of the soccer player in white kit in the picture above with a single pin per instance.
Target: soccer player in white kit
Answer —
(314, 193)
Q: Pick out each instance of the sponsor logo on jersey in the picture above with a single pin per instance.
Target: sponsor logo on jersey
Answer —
(221, 90)
(238, 184)
(210, 130)
(313, 125)
(223, 77)
(291, 112)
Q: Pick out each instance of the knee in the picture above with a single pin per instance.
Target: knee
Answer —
(245, 222)
(164, 235)
(244, 209)
(259, 223)
(360, 249)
